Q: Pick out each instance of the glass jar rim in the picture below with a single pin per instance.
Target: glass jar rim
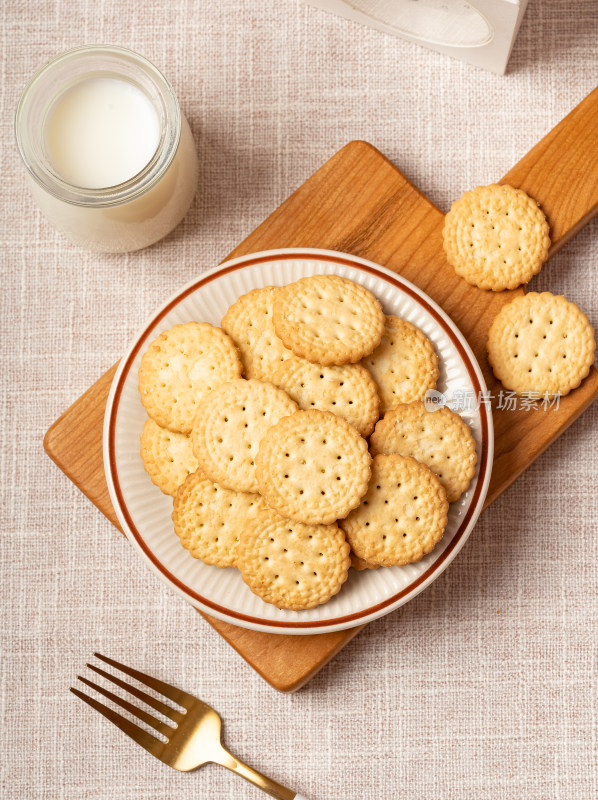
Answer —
(170, 128)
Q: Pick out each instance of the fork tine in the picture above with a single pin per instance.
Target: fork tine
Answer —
(160, 726)
(146, 740)
(177, 695)
(158, 705)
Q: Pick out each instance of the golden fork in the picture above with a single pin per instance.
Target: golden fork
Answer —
(192, 738)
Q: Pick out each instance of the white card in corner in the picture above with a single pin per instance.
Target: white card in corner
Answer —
(479, 32)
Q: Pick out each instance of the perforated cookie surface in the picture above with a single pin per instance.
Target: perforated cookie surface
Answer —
(496, 237)
(209, 519)
(249, 323)
(328, 319)
(402, 516)
(290, 564)
(228, 428)
(348, 391)
(439, 439)
(404, 365)
(541, 344)
(181, 367)
(313, 467)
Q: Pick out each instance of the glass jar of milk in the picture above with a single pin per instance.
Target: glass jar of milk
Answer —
(110, 157)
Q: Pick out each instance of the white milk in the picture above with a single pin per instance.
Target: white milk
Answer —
(134, 224)
(101, 132)
(110, 157)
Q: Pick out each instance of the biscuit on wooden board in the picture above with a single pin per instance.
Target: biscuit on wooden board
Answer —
(541, 344)
(496, 237)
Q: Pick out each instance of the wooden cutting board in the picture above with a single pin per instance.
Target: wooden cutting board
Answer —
(359, 203)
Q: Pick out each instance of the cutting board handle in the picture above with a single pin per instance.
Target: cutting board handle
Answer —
(561, 172)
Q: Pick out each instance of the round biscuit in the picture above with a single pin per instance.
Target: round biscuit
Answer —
(496, 237)
(229, 426)
(349, 391)
(167, 456)
(209, 519)
(439, 439)
(404, 365)
(313, 467)
(328, 319)
(403, 515)
(541, 344)
(249, 324)
(292, 565)
(181, 367)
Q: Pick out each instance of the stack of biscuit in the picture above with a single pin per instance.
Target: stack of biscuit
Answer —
(259, 431)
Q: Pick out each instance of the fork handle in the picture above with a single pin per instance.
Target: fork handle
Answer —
(253, 776)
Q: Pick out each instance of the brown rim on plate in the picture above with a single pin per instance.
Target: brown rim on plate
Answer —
(250, 260)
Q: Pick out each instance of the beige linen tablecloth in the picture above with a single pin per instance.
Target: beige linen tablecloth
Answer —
(482, 687)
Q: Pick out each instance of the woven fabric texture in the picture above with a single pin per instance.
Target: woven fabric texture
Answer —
(483, 687)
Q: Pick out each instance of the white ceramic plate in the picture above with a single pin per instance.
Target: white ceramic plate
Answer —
(144, 512)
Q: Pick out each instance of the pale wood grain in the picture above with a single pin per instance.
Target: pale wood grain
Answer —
(358, 202)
